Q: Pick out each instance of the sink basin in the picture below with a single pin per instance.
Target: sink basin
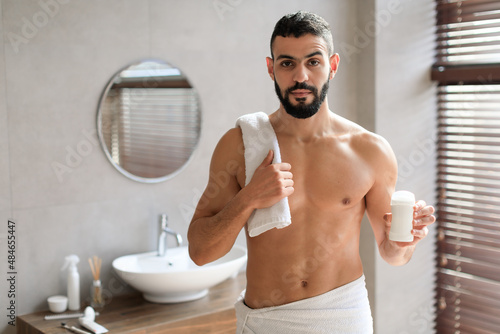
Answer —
(175, 278)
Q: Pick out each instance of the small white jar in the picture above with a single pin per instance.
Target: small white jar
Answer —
(57, 304)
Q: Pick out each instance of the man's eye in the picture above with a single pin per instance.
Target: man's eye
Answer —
(314, 62)
(286, 64)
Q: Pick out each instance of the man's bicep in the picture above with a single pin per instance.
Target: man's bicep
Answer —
(378, 198)
(377, 205)
(225, 169)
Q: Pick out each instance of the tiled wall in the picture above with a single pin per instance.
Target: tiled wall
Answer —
(55, 59)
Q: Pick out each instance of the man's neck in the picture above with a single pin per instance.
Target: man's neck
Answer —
(303, 129)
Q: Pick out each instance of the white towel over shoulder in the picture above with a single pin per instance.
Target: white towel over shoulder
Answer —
(259, 137)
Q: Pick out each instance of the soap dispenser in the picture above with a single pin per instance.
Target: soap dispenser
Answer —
(73, 282)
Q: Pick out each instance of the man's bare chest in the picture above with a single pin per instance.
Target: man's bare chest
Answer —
(327, 175)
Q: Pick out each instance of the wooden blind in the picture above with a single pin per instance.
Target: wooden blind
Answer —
(467, 69)
(468, 41)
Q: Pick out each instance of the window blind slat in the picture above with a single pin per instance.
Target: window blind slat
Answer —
(481, 286)
(478, 314)
(473, 208)
(450, 12)
(470, 250)
(489, 270)
(458, 223)
(470, 322)
(468, 213)
(452, 194)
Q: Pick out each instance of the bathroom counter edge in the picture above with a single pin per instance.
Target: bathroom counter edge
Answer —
(132, 314)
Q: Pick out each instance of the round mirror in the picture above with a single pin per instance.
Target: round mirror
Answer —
(149, 120)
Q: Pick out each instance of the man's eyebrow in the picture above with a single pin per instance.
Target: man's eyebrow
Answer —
(285, 57)
(315, 53)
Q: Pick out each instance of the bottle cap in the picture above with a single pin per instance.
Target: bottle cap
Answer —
(403, 197)
(70, 261)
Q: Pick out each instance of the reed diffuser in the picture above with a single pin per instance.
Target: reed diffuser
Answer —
(96, 300)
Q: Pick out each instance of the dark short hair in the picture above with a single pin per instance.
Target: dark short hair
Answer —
(302, 23)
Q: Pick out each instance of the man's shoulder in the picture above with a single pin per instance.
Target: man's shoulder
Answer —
(231, 141)
(233, 134)
(356, 132)
(230, 146)
(365, 141)
(228, 154)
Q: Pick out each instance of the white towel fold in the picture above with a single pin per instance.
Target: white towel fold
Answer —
(259, 137)
(345, 310)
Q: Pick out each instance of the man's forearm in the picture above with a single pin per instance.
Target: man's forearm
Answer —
(394, 254)
(212, 237)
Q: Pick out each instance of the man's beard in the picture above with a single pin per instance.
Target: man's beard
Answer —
(302, 110)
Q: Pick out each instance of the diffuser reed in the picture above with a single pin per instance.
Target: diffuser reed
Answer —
(96, 300)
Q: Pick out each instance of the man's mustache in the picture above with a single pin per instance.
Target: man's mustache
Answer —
(302, 85)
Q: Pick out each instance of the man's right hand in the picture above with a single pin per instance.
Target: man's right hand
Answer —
(270, 183)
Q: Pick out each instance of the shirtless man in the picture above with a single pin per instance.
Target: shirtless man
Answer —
(332, 172)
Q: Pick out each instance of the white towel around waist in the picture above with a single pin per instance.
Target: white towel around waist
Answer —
(344, 310)
(258, 138)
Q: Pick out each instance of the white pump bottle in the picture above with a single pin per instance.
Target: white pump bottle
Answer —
(73, 282)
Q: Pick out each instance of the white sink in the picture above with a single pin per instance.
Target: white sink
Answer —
(175, 278)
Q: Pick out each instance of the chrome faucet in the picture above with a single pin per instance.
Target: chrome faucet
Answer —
(162, 239)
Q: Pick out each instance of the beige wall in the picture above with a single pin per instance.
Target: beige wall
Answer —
(406, 117)
(58, 55)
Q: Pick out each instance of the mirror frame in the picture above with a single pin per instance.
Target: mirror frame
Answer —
(101, 138)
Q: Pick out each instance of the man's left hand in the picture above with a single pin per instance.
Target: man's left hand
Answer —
(422, 218)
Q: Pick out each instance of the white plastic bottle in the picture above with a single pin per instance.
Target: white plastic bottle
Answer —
(402, 203)
(73, 282)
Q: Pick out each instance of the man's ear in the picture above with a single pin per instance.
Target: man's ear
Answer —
(270, 67)
(334, 64)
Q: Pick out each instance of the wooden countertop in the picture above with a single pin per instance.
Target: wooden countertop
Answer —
(131, 314)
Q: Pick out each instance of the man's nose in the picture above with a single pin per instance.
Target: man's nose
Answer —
(300, 74)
